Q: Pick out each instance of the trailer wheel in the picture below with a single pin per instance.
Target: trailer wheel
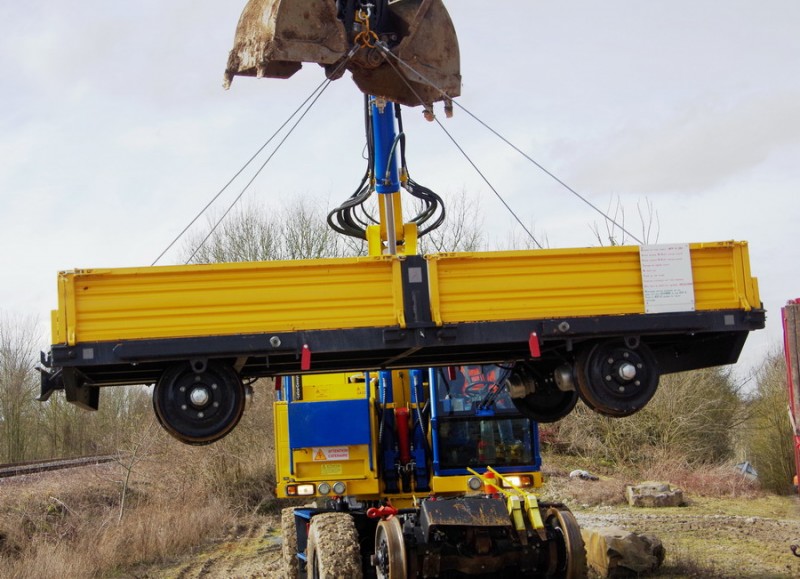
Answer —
(390, 551)
(291, 567)
(199, 405)
(570, 549)
(546, 402)
(616, 380)
(332, 550)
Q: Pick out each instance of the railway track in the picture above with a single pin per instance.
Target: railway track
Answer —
(35, 466)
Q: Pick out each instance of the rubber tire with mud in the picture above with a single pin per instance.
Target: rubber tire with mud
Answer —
(332, 551)
(289, 561)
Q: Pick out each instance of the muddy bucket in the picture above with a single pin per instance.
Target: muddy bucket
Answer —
(407, 50)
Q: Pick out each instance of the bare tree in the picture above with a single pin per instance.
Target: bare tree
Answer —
(305, 234)
(616, 231)
(137, 448)
(252, 233)
(18, 339)
(247, 234)
(462, 229)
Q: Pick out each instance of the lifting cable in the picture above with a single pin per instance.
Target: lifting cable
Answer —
(387, 53)
(458, 146)
(307, 103)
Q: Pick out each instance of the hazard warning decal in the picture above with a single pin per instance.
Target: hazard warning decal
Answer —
(325, 453)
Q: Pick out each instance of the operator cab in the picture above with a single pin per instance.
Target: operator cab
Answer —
(475, 423)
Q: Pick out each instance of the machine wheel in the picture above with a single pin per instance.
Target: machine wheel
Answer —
(570, 549)
(615, 379)
(390, 551)
(199, 403)
(546, 402)
(290, 563)
(332, 550)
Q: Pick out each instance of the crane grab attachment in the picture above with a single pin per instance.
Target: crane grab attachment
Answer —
(405, 51)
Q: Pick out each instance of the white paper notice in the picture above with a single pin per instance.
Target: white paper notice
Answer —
(667, 278)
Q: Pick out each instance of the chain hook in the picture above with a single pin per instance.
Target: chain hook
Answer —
(366, 37)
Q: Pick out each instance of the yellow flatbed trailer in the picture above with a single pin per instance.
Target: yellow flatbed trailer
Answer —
(129, 325)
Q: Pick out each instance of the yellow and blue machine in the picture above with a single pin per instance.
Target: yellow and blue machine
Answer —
(397, 435)
(372, 447)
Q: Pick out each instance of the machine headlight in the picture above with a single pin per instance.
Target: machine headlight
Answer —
(300, 490)
(474, 483)
(339, 488)
(324, 488)
(517, 480)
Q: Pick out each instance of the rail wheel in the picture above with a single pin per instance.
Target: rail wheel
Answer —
(332, 551)
(570, 551)
(390, 551)
(546, 402)
(199, 403)
(615, 379)
(291, 568)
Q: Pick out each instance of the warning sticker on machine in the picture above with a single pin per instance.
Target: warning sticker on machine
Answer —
(324, 453)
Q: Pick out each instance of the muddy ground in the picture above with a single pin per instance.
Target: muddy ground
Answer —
(748, 538)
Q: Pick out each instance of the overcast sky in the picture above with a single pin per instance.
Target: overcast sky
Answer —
(115, 131)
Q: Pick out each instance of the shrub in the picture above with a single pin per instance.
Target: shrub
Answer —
(768, 433)
(692, 417)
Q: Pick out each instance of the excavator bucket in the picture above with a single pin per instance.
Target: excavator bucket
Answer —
(403, 50)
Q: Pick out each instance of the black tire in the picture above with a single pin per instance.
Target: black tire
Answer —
(290, 563)
(332, 551)
(601, 384)
(207, 417)
(546, 403)
(547, 407)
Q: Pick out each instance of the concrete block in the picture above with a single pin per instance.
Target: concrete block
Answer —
(616, 552)
(654, 494)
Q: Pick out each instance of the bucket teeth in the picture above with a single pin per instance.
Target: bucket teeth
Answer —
(412, 58)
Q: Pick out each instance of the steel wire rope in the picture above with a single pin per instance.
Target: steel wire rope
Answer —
(541, 167)
(458, 146)
(315, 94)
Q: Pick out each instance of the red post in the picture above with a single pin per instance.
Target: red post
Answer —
(791, 347)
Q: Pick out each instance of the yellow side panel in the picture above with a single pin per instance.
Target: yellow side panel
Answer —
(306, 468)
(326, 294)
(229, 298)
(473, 287)
(318, 387)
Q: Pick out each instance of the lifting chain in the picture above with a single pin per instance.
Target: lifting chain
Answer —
(366, 37)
